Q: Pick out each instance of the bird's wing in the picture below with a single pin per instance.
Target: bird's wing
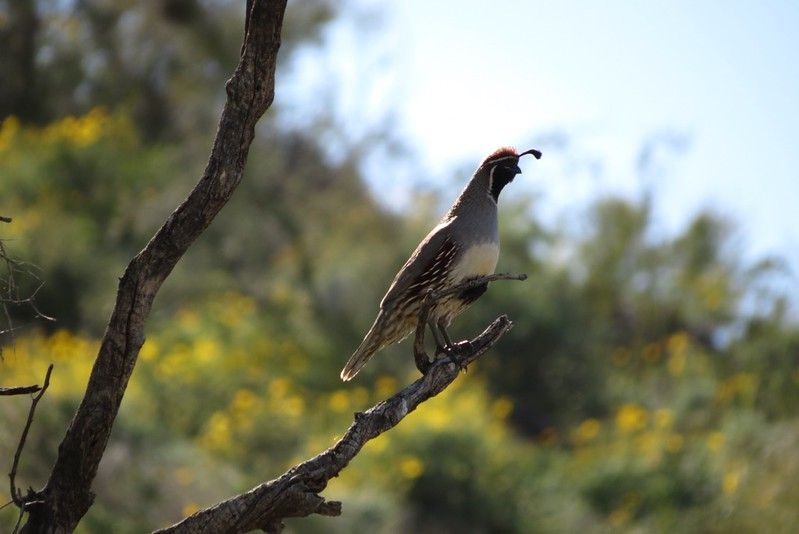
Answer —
(427, 262)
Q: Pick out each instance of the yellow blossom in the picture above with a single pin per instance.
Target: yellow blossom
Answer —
(243, 401)
(294, 406)
(278, 388)
(411, 467)
(339, 401)
(587, 430)
(738, 386)
(8, 131)
(205, 350)
(730, 482)
(677, 342)
(631, 417)
(149, 350)
(190, 508)
(501, 408)
(218, 435)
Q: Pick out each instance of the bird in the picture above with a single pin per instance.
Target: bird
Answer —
(464, 245)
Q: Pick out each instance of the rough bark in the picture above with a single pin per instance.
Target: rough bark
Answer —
(296, 492)
(67, 496)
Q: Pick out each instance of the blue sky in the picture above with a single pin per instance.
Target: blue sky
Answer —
(591, 82)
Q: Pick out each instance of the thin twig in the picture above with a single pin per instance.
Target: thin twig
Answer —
(19, 390)
(19, 519)
(474, 282)
(16, 495)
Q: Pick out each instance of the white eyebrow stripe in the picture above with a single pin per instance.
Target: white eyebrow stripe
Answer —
(503, 158)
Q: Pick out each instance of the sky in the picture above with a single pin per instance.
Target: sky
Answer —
(708, 91)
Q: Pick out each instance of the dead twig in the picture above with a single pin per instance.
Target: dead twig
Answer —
(16, 495)
(19, 390)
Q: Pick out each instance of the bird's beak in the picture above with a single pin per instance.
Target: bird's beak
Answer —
(517, 170)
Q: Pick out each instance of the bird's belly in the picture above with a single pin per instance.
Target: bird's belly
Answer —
(477, 260)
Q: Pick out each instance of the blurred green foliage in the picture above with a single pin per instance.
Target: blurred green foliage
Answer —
(640, 390)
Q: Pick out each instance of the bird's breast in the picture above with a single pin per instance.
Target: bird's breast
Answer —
(477, 260)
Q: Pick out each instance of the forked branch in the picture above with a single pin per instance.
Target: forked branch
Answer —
(16, 494)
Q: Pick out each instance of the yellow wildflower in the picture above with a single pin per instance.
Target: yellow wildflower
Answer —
(501, 408)
(339, 401)
(730, 482)
(411, 467)
(190, 508)
(631, 417)
(587, 430)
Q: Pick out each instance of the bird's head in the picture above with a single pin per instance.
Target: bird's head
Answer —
(502, 166)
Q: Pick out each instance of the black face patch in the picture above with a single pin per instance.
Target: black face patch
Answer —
(502, 175)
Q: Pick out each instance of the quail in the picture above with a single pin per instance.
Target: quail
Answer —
(464, 245)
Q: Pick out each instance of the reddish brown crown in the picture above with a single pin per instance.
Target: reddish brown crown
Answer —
(502, 152)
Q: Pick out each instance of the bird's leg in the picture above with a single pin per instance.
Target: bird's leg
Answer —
(441, 344)
(450, 350)
(442, 329)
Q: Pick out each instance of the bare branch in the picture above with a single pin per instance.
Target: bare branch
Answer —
(296, 492)
(67, 495)
(477, 281)
(19, 390)
(16, 495)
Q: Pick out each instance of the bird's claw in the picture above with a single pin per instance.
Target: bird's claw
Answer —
(451, 354)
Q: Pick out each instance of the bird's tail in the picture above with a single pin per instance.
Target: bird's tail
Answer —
(371, 343)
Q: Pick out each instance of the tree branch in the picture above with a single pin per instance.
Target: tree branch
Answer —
(67, 495)
(296, 492)
(19, 390)
(16, 495)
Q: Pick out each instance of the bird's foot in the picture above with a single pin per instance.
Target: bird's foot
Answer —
(444, 350)
(452, 353)
(454, 358)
